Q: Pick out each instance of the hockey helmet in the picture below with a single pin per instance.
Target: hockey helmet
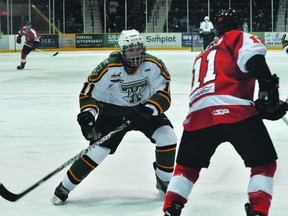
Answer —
(28, 23)
(227, 20)
(206, 19)
(132, 47)
(28, 26)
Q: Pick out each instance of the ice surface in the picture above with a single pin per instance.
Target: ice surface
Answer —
(39, 132)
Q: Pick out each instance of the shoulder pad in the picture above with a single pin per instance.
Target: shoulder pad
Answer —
(114, 54)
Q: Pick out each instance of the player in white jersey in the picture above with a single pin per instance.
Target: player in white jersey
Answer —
(31, 42)
(206, 31)
(221, 109)
(284, 40)
(129, 85)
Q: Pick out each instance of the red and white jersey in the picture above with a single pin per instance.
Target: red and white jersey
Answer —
(30, 35)
(222, 89)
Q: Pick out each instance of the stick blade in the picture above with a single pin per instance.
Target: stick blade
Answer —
(55, 54)
(8, 195)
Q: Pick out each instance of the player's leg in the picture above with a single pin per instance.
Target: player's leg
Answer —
(251, 140)
(195, 150)
(78, 172)
(25, 51)
(160, 132)
(165, 149)
(81, 168)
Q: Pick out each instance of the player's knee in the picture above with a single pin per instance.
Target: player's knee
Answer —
(164, 136)
(98, 154)
(265, 170)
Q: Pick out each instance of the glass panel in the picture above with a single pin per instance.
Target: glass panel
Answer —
(79, 16)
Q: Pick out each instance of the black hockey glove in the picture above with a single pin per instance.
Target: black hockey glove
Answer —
(35, 45)
(18, 40)
(139, 116)
(268, 103)
(87, 123)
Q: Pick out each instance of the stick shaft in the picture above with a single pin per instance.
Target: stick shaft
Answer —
(6, 194)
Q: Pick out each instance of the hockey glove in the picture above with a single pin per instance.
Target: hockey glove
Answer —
(268, 103)
(35, 45)
(18, 40)
(86, 121)
(139, 116)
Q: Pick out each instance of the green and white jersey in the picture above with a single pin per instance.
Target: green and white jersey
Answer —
(109, 84)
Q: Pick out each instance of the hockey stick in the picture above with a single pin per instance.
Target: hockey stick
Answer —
(284, 118)
(47, 53)
(14, 197)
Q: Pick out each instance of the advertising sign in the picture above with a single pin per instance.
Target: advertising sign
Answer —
(49, 41)
(89, 40)
(273, 39)
(111, 40)
(162, 40)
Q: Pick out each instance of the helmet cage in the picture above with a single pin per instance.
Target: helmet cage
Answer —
(133, 54)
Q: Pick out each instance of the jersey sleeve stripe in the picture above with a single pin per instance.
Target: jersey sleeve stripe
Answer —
(83, 96)
(156, 62)
(165, 75)
(166, 96)
(94, 106)
(158, 107)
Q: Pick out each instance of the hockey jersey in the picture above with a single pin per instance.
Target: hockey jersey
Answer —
(30, 35)
(222, 89)
(110, 86)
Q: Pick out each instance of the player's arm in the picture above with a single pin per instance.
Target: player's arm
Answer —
(160, 101)
(89, 105)
(268, 103)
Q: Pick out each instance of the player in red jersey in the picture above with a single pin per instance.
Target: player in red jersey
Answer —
(222, 109)
(31, 42)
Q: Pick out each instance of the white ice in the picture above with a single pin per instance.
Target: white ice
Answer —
(39, 132)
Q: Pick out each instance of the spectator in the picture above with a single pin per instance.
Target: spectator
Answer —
(206, 32)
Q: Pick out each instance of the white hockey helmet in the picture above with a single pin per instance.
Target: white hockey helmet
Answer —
(132, 47)
(206, 19)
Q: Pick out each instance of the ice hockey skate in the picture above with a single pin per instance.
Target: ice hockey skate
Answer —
(175, 209)
(160, 185)
(250, 212)
(60, 195)
(21, 66)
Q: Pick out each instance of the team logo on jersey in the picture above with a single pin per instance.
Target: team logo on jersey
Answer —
(116, 77)
(220, 111)
(134, 90)
(96, 71)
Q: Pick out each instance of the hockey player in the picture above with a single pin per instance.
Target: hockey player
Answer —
(221, 109)
(284, 40)
(206, 31)
(129, 85)
(31, 42)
